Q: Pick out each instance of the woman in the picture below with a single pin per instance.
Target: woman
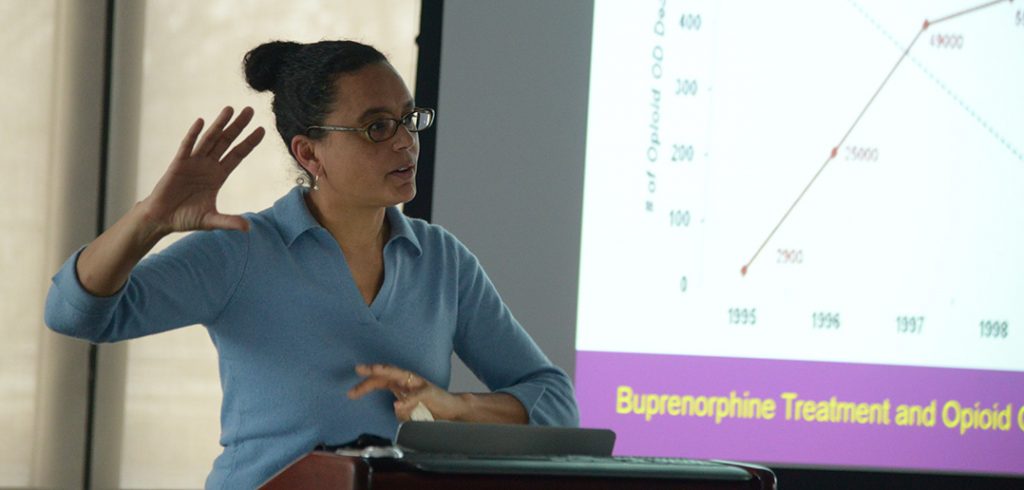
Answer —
(332, 313)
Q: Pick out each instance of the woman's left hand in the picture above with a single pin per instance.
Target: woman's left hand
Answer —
(409, 389)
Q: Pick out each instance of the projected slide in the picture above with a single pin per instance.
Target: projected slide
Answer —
(803, 232)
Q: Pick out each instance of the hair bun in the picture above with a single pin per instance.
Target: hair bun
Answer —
(264, 62)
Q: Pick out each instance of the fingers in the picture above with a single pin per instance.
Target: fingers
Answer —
(404, 408)
(368, 385)
(213, 134)
(231, 132)
(410, 391)
(385, 377)
(185, 149)
(387, 371)
(242, 150)
(224, 222)
(219, 137)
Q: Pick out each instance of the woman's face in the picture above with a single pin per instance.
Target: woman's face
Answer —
(360, 172)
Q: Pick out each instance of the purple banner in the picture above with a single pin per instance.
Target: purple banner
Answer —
(806, 413)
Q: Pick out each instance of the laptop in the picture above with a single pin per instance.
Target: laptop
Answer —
(444, 437)
(507, 449)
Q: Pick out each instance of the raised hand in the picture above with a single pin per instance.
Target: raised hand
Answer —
(185, 198)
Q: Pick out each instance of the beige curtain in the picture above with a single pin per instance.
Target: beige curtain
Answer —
(51, 126)
(156, 414)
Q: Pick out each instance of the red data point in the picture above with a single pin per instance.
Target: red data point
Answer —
(835, 151)
(743, 271)
(925, 26)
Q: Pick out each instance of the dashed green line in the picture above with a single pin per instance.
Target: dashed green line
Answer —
(995, 134)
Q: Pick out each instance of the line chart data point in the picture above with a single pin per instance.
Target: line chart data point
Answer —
(926, 24)
(835, 151)
(743, 271)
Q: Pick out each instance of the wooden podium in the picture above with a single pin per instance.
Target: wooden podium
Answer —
(326, 470)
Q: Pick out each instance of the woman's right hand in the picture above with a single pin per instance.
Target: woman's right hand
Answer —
(185, 198)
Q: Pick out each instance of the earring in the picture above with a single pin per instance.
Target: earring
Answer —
(316, 182)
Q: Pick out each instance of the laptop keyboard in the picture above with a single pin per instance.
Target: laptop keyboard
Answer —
(643, 460)
(603, 466)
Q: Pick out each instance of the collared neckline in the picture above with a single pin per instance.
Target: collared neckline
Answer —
(294, 218)
(400, 228)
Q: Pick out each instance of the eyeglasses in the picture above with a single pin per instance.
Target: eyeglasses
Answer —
(384, 129)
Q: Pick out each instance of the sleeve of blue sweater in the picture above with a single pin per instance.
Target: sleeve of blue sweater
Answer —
(188, 283)
(502, 355)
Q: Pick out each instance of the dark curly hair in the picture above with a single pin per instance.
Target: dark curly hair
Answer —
(302, 77)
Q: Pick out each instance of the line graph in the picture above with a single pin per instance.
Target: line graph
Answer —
(902, 252)
(896, 165)
(900, 246)
(835, 149)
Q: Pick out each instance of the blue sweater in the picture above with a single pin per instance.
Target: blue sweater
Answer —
(289, 325)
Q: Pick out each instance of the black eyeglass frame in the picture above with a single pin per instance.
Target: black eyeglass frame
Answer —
(418, 113)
